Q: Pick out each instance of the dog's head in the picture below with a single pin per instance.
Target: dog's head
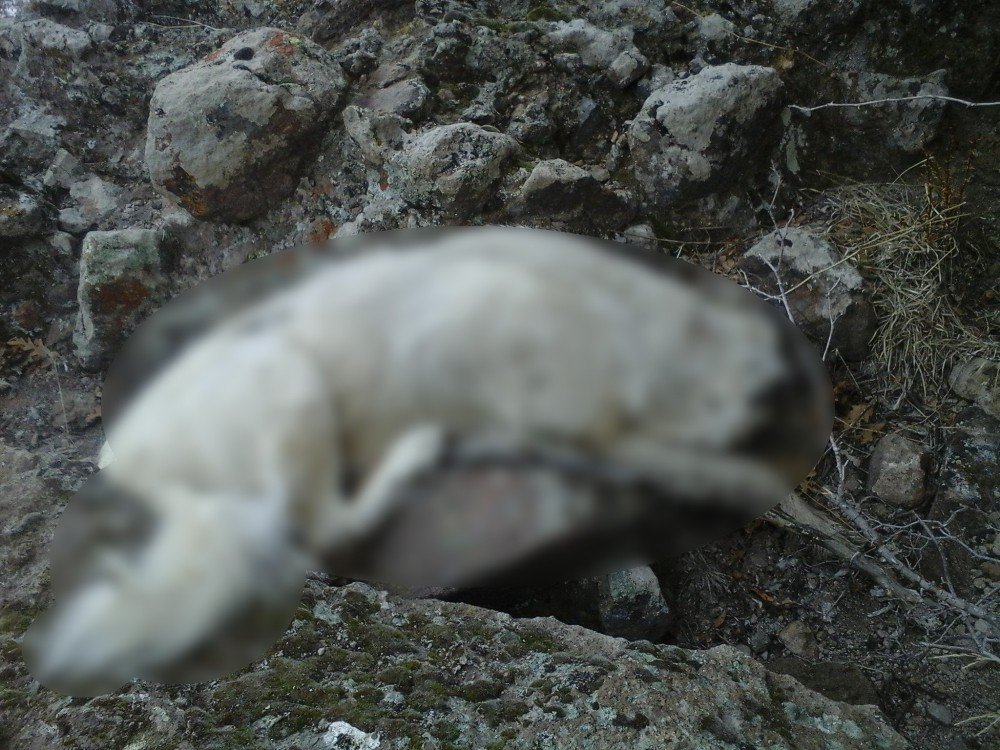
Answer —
(178, 587)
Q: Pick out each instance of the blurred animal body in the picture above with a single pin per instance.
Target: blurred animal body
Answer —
(289, 429)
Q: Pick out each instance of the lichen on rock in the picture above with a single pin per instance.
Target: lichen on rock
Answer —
(229, 136)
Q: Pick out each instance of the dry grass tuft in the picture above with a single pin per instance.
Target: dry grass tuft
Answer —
(904, 239)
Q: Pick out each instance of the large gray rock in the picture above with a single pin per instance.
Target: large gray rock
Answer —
(898, 471)
(360, 669)
(120, 276)
(697, 134)
(823, 289)
(230, 136)
(452, 167)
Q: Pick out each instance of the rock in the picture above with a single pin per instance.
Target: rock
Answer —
(469, 677)
(93, 9)
(978, 380)
(48, 35)
(229, 136)
(815, 15)
(377, 134)
(76, 411)
(824, 288)
(632, 605)
(30, 141)
(897, 474)
(697, 134)
(799, 638)
(359, 55)
(453, 167)
(342, 735)
(28, 506)
(94, 200)
(838, 681)
(407, 98)
(644, 16)
(714, 28)
(611, 51)
(940, 713)
(530, 123)
(905, 127)
(643, 235)
(967, 499)
(64, 170)
(22, 215)
(332, 20)
(654, 23)
(120, 276)
(558, 190)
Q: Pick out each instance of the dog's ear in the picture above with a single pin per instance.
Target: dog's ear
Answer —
(102, 522)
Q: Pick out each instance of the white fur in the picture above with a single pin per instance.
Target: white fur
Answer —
(364, 368)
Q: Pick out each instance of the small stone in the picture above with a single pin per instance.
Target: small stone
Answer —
(897, 472)
(31, 141)
(340, 734)
(643, 235)
(22, 215)
(64, 170)
(978, 380)
(377, 134)
(715, 28)
(826, 290)
(407, 99)
(940, 713)
(453, 167)
(611, 51)
(799, 638)
(120, 276)
(49, 35)
(632, 604)
(95, 200)
(558, 190)
(627, 68)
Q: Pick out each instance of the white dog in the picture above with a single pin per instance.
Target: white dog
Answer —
(244, 447)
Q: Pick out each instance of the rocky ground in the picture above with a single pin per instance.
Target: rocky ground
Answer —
(146, 146)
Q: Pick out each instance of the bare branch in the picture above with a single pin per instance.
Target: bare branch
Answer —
(893, 100)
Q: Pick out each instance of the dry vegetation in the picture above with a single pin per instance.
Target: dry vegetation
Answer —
(904, 238)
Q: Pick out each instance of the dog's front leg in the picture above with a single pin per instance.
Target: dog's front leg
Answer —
(416, 451)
